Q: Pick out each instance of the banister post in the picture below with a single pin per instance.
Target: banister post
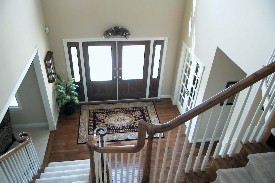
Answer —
(147, 164)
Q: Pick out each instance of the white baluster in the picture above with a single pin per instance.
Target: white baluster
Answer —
(121, 168)
(20, 166)
(3, 177)
(134, 167)
(25, 166)
(104, 166)
(198, 158)
(190, 157)
(30, 159)
(14, 168)
(258, 110)
(31, 172)
(175, 151)
(96, 166)
(115, 167)
(227, 145)
(183, 152)
(262, 118)
(206, 158)
(156, 159)
(11, 170)
(139, 164)
(165, 157)
(128, 169)
(7, 171)
(36, 160)
(218, 147)
(264, 128)
(110, 168)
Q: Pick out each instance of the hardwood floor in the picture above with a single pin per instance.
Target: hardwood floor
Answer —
(62, 146)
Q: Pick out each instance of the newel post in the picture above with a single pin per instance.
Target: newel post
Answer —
(148, 157)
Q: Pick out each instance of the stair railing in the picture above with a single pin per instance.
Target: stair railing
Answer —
(21, 163)
(205, 123)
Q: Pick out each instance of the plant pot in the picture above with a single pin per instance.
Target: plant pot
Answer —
(69, 108)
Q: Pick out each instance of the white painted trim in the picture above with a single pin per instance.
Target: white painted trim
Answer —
(180, 70)
(149, 68)
(3, 111)
(43, 90)
(165, 96)
(162, 66)
(30, 125)
(81, 56)
(66, 51)
(114, 39)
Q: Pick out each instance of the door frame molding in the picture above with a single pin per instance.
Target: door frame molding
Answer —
(184, 50)
(81, 40)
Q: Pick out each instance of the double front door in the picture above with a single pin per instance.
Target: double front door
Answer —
(115, 70)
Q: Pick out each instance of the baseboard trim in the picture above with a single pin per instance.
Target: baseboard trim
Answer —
(30, 125)
(166, 96)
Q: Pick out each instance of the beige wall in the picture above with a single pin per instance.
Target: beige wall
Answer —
(70, 19)
(22, 31)
(32, 111)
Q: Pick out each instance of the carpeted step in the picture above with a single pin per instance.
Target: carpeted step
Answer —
(65, 173)
(261, 166)
(64, 163)
(234, 175)
(68, 167)
(65, 179)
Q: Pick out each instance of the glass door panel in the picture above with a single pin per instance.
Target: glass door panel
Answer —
(100, 63)
(133, 59)
(132, 62)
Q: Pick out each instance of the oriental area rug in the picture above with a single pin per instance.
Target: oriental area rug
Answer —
(120, 119)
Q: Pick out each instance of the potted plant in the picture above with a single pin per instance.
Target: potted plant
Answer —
(67, 96)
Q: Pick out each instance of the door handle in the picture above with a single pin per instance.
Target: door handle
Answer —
(114, 77)
(119, 77)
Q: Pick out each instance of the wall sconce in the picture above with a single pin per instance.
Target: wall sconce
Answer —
(49, 65)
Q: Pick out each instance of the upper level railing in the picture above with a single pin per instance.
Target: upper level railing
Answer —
(208, 122)
(21, 163)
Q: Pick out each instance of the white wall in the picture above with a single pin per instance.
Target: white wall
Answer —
(223, 70)
(70, 19)
(242, 29)
(22, 32)
(32, 111)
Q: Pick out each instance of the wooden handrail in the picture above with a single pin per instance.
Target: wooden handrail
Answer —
(24, 139)
(92, 143)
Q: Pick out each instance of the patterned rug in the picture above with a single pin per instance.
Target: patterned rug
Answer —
(121, 119)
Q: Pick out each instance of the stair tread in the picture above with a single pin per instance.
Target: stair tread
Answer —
(262, 166)
(63, 163)
(65, 173)
(233, 175)
(68, 167)
(64, 179)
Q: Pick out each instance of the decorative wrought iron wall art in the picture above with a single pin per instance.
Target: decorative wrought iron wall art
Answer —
(116, 31)
(49, 65)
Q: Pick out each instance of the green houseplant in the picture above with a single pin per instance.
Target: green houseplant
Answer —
(67, 96)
